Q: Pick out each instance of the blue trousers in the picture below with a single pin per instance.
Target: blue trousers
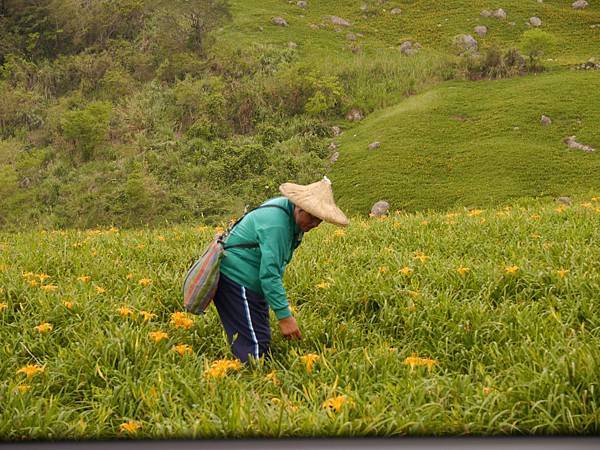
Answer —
(245, 317)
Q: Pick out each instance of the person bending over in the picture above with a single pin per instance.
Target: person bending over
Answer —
(251, 278)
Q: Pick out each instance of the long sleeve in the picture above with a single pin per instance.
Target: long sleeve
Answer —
(275, 245)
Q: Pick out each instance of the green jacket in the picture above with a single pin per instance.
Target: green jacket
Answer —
(261, 269)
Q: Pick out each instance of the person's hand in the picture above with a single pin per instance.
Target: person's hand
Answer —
(289, 328)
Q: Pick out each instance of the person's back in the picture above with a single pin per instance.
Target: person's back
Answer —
(251, 277)
(260, 269)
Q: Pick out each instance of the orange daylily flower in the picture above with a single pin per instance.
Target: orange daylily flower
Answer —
(44, 327)
(158, 336)
(335, 403)
(414, 361)
(31, 370)
(180, 320)
(130, 427)
(309, 361)
(219, 368)
(182, 349)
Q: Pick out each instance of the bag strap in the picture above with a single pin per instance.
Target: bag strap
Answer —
(249, 244)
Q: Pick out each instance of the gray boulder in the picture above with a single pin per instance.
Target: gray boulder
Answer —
(409, 48)
(339, 21)
(380, 208)
(302, 4)
(565, 200)
(279, 21)
(481, 30)
(395, 11)
(336, 130)
(374, 145)
(333, 158)
(465, 42)
(354, 115)
(499, 14)
(572, 143)
(545, 120)
(485, 13)
(579, 4)
(535, 21)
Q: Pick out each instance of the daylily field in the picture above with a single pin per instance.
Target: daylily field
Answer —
(467, 322)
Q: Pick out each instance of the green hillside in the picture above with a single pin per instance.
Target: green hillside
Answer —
(132, 113)
(432, 23)
(474, 144)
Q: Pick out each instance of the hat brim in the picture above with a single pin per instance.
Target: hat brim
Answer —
(316, 200)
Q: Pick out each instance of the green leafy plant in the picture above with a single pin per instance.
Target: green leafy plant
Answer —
(87, 128)
(535, 43)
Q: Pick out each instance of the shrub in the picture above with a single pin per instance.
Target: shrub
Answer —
(19, 72)
(116, 84)
(87, 128)
(234, 62)
(229, 162)
(139, 197)
(535, 43)
(178, 66)
(302, 89)
(202, 128)
(83, 72)
(493, 64)
(19, 108)
(269, 134)
(200, 98)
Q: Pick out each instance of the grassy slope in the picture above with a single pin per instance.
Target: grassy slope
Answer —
(419, 20)
(428, 159)
(514, 352)
(475, 143)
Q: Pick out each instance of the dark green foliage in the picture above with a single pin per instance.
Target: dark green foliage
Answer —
(493, 64)
(87, 128)
(301, 89)
(19, 108)
(145, 119)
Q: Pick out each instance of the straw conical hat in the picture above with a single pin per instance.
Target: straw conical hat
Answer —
(317, 199)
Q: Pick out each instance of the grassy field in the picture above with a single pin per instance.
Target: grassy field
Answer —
(468, 322)
(472, 309)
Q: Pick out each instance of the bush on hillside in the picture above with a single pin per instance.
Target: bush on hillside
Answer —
(492, 64)
(301, 89)
(47, 28)
(228, 162)
(204, 98)
(178, 66)
(141, 197)
(86, 128)
(19, 108)
(116, 85)
(236, 63)
(535, 43)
